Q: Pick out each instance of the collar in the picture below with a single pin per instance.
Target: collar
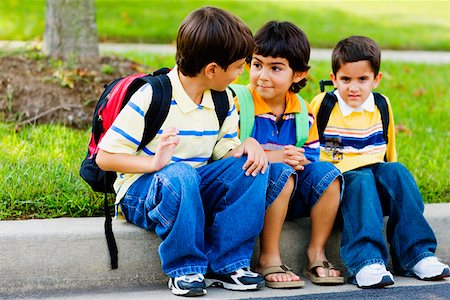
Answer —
(368, 105)
(184, 102)
(261, 107)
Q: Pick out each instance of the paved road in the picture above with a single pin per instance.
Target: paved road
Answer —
(404, 288)
(431, 57)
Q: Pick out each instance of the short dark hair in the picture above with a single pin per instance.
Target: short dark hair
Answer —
(208, 35)
(356, 48)
(286, 40)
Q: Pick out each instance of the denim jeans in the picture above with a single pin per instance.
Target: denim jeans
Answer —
(208, 218)
(377, 190)
(311, 184)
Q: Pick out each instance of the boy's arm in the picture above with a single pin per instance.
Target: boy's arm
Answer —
(256, 157)
(391, 152)
(118, 148)
(129, 163)
(312, 144)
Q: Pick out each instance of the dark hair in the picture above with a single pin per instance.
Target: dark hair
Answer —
(356, 48)
(286, 40)
(208, 35)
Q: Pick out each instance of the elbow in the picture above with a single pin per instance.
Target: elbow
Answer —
(101, 160)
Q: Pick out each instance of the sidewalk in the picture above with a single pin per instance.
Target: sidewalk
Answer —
(43, 257)
(429, 57)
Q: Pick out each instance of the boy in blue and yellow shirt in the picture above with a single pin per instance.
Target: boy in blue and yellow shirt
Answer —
(375, 183)
(278, 68)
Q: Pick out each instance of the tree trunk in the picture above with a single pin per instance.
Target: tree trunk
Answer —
(71, 31)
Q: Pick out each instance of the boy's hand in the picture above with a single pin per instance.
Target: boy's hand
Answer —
(168, 141)
(256, 157)
(295, 157)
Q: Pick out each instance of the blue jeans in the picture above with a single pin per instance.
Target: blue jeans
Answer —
(377, 190)
(208, 218)
(311, 184)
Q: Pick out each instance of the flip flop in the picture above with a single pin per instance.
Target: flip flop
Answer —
(312, 274)
(281, 284)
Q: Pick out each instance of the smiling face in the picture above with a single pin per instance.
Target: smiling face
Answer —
(271, 77)
(355, 81)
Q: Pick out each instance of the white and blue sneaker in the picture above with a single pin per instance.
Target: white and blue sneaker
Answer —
(430, 268)
(240, 280)
(188, 285)
(374, 276)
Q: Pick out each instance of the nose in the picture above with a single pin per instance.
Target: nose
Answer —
(353, 87)
(263, 75)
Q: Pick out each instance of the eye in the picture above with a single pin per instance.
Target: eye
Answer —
(362, 79)
(345, 79)
(276, 69)
(256, 65)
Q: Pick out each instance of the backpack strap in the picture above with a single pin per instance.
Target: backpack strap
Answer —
(159, 107)
(330, 99)
(323, 115)
(302, 123)
(246, 110)
(247, 115)
(381, 103)
(221, 105)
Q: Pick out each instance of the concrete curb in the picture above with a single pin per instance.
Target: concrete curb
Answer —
(70, 253)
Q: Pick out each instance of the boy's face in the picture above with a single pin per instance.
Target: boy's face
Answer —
(355, 81)
(222, 78)
(271, 77)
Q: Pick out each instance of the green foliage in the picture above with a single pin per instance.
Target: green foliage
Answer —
(394, 24)
(39, 171)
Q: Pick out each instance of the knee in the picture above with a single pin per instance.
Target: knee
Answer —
(181, 173)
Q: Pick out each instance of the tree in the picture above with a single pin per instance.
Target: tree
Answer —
(71, 31)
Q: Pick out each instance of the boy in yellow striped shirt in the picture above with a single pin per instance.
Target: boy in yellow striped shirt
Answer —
(375, 183)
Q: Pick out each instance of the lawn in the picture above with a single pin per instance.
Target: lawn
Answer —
(39, 164)
(394, 24)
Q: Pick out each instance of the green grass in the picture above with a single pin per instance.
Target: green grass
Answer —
(39, 171)
(39, 164)
(393, 24)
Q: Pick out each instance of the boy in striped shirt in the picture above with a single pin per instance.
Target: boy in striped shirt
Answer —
(208, 215)
(278, 69)
(375, 183)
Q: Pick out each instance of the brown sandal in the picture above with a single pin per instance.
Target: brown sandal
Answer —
(312, 274)
(281, 284)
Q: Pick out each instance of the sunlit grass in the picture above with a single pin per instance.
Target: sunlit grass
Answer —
(393, 24)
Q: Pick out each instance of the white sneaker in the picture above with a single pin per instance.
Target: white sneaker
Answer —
(188, 285)
(374, 276)
(430, 268)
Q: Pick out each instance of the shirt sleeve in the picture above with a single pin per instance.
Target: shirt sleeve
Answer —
(126, 132)
(312, 145)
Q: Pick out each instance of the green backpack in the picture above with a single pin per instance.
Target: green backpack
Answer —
(247, 115)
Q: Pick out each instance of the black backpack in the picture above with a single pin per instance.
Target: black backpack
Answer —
(113, 99)
(330, 99)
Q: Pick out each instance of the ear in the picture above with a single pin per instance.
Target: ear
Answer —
(377, 80)
(211, 70)
(333, 78)
(299, 76)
